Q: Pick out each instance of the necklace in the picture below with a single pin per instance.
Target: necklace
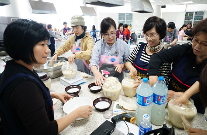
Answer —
(155, 48)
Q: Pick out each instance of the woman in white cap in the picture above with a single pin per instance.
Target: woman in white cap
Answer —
(81, 44)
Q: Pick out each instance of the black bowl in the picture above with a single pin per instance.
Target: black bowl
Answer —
(94, 91)
(71, 87)
(102, 99)
(74, 95)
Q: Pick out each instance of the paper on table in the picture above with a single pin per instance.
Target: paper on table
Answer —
(121, 128)
(54, 100)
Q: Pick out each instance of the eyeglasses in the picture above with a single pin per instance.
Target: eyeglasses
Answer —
(196, 41)
(150, 36)
(109, 35)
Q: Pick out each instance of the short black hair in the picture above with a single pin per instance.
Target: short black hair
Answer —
(106, 23)
(120, 24)
(64, 23)
(21, 36)
(171, 25)
(201, 26)
(125, 25)
(156, 22)
(49, 26)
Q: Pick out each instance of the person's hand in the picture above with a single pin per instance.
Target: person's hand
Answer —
(152, 80)
(133, 72)
(71, 58)
(173, 43)
(195, 131)
(119, 67)
(182, 98)
(84, 111)
(59, 39)
(172, 93)
(99, 79)
(137, 83)
(64, 97)
(53, 58)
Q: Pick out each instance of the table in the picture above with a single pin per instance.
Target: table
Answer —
(180, 42)
(87, 126)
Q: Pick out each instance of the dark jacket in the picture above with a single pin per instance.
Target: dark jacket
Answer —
(26, 102)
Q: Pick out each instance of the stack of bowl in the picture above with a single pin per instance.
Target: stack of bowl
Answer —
(53, 71)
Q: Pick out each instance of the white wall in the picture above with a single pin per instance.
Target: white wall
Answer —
(176, 17)
(139, 20)
(103, 15)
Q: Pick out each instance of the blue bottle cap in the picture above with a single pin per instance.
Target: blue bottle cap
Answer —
(145, 79)
(160, 78)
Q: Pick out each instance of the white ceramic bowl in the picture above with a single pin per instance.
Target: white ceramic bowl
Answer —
(76, 102)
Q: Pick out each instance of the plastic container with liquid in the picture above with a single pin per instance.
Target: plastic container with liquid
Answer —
(145, 125)
(127, 85)
(176, 110)
(144, 99)
(112, 88)
(160, 92)
(69, 70)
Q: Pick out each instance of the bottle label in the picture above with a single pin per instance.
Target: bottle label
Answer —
(142, 130)
(144, 101)
(160, 100)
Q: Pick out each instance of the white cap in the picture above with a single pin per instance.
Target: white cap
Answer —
(146, 117)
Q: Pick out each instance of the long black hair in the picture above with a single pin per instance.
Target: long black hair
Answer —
(184, 25)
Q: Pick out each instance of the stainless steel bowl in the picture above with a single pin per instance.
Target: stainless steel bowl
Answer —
(3, 53)
(53, 72)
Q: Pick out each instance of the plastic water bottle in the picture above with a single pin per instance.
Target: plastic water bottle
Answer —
(160, 91)
(129, 43)
(145, 125)
(144, 99)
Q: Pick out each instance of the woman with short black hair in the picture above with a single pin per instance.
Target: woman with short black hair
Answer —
(154, 30)
(109, 53)
(25, 102)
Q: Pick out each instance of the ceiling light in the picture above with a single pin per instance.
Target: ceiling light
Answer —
(152, 1)
(187, 2)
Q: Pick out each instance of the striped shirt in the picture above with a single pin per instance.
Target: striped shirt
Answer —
(165, 69)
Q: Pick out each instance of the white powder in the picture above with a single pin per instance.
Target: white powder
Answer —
(102, 105)
(73, 90)
(95, 88)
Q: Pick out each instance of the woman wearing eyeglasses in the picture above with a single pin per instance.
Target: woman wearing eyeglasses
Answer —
(154, 30)
(109, 54)
(188, 62)
(81, 44)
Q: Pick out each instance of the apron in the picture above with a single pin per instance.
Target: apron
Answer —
(81, 64)
(180, 82)
(121, 36)
(107, 63)
(10, 122)
(140, 65)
